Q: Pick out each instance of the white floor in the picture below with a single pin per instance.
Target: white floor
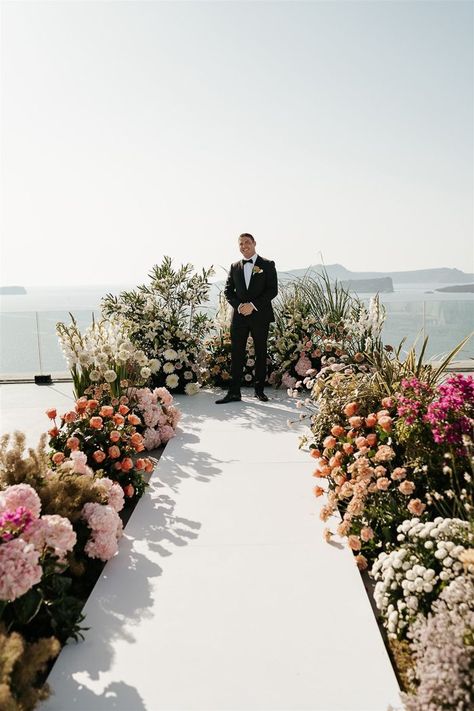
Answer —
(223, 595)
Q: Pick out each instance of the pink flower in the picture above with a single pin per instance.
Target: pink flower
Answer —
(80, 462)
(20, 495)
(106, 411)
(303, 365)
(330, 442)
(399, 473)
(58, 457)
(415, 507)
(151, 438)
(356, 421)
(72, 443)
(337, 430)
(99, 456)
(361, 561)
(351, 408)
(366, 533)
(164, 395)
(19, 568)
(383, 483)
(407, 487)
(166, 433)
(113, 491)
(106, 528)
(51, 531)
(70, 416)
(96, 423)
(384, 453)
(354, 542)
(288, 381)
(52, 413)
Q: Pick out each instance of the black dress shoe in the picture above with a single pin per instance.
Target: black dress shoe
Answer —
(261, 396)
(229, 397)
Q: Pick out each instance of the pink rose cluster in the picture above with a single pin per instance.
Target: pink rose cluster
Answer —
(106, 529)
(159, 415)
(25, 537)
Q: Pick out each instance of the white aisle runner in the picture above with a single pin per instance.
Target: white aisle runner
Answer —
(223, 594)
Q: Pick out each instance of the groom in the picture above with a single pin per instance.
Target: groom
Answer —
(251, 285)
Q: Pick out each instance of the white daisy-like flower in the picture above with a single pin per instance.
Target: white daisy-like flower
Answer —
(188, 375)
(94, 375)
(191, 388)
(168, 368)
(145, 373)
(110, 376)
(170, 354)
(172, 381)
(155, 365)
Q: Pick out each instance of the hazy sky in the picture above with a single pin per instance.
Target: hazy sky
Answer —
(131, 130)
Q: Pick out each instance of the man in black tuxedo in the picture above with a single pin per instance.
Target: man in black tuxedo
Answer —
(251, 285)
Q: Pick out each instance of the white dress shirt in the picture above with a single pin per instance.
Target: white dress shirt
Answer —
(248, 274)
(248, 270)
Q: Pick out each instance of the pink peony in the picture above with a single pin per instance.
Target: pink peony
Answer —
(113, 491)
(19, 568)
(20, 495)
(151, 439)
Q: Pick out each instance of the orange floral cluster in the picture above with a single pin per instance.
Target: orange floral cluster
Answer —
(106, 434)
(359, 462)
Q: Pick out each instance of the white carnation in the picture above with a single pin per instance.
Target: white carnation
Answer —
(172, 381)
(168, 368)
(170, 354)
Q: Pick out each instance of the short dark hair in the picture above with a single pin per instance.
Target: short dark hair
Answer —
(247, 234)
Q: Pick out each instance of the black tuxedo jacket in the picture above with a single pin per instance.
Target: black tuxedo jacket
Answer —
(263, 287)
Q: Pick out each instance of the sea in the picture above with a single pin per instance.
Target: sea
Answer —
(29, 345)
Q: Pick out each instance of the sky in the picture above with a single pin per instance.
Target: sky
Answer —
(334, 130)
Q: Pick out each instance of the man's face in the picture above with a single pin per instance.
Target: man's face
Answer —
(247, 247)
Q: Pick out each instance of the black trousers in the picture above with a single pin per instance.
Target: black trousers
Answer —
(239, 333)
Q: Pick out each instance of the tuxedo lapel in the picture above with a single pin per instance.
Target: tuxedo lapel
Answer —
(240, 275)
(258, 263)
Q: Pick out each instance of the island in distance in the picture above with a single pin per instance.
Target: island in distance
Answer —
(8, 290)
(457, 289)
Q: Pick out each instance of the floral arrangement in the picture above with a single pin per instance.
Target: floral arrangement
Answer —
(103, 438)
(164, 320)
(318, 325)
(159, 417)
(442, 645)
(393, 448)
(411, 576)
(103, 355)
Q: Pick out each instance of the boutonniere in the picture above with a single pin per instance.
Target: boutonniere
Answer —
(257, 270)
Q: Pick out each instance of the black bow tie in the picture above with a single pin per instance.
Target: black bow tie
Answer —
(247, 261)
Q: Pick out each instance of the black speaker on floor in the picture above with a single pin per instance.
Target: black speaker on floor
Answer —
(43, 380)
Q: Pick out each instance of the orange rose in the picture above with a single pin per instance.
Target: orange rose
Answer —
(383, 483)
(387, 402)
(356, 421)
(351, 408)
(366, 533)
(361, 442)
(136, 439)
(123, 409)
(354, 543)
(337, 430)
(115, 436)
(133, 419)
(371, 439)
(58, 457)
(127, 464)
(114, 452)
(415, 507)
(315, 453)
(73, 443)
(118, 419)
(99, 456)
(371, 420)
(92, 404)
(118, 466)
(140, 464)
(70, 416)
(149, 466)
(318, 491)
(128, 491)
(52, 413)
(330, 442)
(106, 411)
(81, 404)
(347, 448)
(385, 423)
(53, 432)
(361, 561)
(406, 487)
(96, 423)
